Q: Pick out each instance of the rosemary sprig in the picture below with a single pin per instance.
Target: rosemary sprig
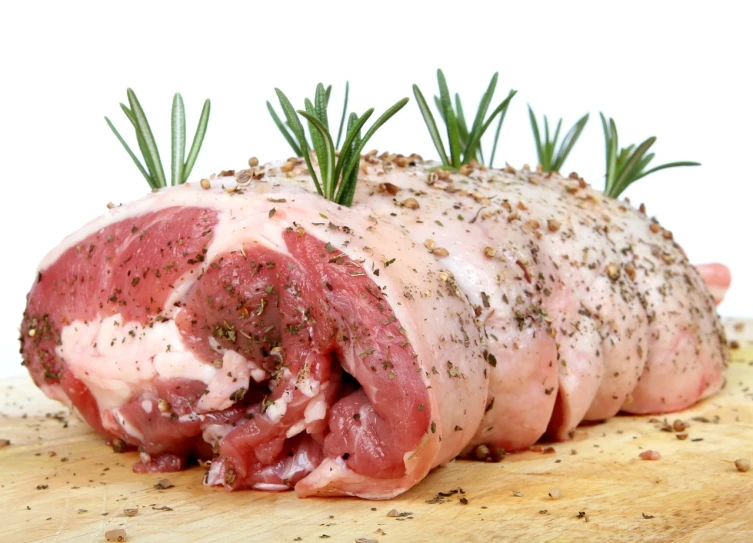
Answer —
(181, 165)
(550, 157)
(287, 130)
(464, 143)
(626, 166)
(338, 171)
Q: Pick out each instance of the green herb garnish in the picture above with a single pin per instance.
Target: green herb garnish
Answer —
(629, 164)
(465, 144)
(181, 166)
(338, 171)
(551, 159)
(287, 131)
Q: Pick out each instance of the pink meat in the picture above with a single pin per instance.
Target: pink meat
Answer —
(589, 307)
(717, 278)
(271, 332)
(348, 351)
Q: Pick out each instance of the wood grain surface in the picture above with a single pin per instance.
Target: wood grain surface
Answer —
(60, 482)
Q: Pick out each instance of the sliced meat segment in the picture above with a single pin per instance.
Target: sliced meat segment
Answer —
(500, 269)
(687, 348)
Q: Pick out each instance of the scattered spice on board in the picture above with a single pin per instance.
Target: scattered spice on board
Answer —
(555, 493)
(116, 535)
(491, 453)
(464, 500)
(650, 455)
(666, 426)
(130, 512)
(517, 494)
(400, 515)
(163, 484)
(441, 496)
(647, 516)
(118, 445)
(742, 464)
(366, 540)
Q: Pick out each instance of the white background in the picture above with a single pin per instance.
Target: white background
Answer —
(678, 70)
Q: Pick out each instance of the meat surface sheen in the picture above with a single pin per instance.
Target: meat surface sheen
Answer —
(347, 351)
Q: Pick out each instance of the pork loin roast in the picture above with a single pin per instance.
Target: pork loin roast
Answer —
(299, 344)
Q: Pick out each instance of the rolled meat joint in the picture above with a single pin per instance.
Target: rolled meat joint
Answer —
(299, 344)
(296, 344)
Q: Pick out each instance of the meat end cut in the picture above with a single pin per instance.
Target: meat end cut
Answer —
(348, 351)
(294, 343)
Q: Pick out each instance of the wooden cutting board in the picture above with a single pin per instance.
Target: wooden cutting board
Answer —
(60, 482)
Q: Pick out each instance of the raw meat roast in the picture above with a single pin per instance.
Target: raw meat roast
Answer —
(299, 344)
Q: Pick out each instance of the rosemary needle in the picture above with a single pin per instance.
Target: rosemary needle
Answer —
(464, 143)
(550, 157)
(151, 169)
(626, 165)
(338, 172)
